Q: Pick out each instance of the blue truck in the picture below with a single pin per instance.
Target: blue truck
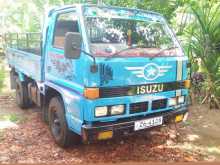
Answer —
(98, 72)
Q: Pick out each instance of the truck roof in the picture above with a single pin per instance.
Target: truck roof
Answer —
(102, 6)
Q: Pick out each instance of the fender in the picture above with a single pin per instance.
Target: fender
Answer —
(21, 76)
(73, 105)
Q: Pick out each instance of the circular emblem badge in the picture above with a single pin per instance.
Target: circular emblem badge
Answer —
(151, 71)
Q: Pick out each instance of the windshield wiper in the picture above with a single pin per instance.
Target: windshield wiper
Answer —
(157, 54)
(141, 46)
(129, 48)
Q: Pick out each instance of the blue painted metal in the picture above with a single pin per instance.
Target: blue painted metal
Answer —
(27, 63)
(70, 77)
(21, 76)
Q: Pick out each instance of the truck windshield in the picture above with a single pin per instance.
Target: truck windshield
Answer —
(110, 36)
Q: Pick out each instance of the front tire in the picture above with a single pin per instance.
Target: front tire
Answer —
(58, 125)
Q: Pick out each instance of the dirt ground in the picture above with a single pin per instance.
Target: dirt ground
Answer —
(24, 138)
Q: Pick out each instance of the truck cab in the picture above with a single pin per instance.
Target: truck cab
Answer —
(102, 71)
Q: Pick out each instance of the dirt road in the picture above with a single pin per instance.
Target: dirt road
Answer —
(24, 138)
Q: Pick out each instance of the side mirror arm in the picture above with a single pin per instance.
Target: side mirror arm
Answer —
(94, 67)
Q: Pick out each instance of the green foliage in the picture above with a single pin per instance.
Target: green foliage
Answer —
(165, 7)
(204, 44)
(26, 15)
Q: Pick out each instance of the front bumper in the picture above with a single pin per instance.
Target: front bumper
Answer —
(126, 126)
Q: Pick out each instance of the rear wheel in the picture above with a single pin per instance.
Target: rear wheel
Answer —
(44, 115)
(58, 125)
(22, 94)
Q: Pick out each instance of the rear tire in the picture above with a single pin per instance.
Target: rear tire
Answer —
(22, 94)
(44, 114)
(58, 125)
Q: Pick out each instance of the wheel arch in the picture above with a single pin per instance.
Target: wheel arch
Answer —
(16, 73)
(48, 93)
(51, 92)
(74, 117)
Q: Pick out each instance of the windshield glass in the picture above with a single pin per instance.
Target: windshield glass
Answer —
(120, 35)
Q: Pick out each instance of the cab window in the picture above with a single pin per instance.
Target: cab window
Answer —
(66, 22)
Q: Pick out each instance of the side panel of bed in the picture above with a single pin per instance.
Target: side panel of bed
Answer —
(24, 62)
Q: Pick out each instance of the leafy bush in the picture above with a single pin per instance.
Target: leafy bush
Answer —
(204, 44)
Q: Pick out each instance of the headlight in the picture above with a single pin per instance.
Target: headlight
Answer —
(172, 101)
(117, 109)
(181, 99)
(101, 111)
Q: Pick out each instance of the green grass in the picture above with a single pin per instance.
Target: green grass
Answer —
(13, 118)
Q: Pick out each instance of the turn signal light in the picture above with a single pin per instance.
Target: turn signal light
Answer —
(187, 84)
(91, 93)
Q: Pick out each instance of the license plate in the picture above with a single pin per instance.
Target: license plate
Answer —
(152, 122)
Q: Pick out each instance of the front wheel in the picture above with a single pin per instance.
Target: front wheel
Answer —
(58, 125)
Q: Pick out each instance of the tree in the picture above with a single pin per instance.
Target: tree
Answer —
(164, 7)
(204, 43)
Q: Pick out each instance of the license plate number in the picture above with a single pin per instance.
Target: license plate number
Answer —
(152, 122)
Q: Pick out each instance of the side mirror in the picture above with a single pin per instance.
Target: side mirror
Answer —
(72, 45)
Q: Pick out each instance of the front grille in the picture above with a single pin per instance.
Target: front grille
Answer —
(107, 92)
(114, 92)
(159, 104)
(138, 107)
